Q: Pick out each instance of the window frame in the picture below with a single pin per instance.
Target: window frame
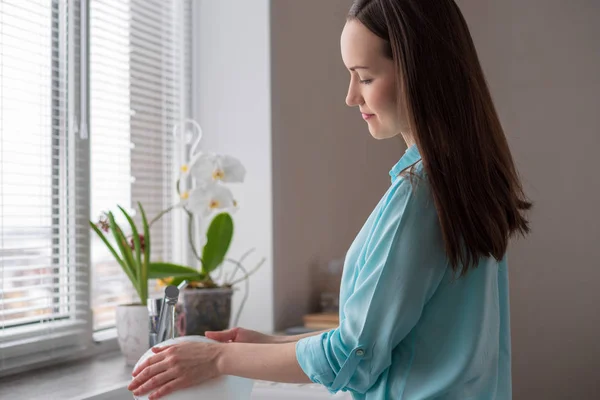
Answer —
(21, 346)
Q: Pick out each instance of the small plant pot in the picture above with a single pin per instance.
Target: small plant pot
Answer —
(132, 331)
(202, 310)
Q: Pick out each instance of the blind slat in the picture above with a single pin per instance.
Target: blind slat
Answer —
(45, 320)
(36, 299)
(40, 286)
(57, 327)
(20, 268)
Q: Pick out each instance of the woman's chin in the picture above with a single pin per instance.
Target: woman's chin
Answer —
(374, 132)
(379, 135)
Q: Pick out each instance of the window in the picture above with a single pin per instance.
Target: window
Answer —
(139, 79)
(57, 283)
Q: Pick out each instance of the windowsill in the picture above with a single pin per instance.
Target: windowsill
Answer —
(94, 369)
(70, 380)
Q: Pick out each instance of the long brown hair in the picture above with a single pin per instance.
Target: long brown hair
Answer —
(470, 170)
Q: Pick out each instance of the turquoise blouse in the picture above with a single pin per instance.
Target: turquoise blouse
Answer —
(409, 329)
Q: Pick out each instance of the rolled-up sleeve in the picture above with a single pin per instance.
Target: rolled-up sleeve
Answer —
(401, 266)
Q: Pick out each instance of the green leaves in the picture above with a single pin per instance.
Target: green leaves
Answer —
(128, 263)
(219, 237)
(160, 270)
(145, 264)
(107, 243)
(136, 262)
(179, 273)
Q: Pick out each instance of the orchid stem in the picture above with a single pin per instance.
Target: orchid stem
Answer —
(245, 277)
(238, 263)
(159, 216)
(191, 235)
(243, 303)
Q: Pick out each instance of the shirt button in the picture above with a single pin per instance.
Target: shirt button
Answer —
(360, 352)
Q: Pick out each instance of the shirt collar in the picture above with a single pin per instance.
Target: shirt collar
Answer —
(411, 156)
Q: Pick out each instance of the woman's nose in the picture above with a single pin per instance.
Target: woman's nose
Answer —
(353, 98)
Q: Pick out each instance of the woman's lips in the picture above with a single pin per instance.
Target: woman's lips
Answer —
(367, 116)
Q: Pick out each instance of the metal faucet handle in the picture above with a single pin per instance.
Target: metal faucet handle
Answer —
(171, 294)
(161, 313)
(166, 319)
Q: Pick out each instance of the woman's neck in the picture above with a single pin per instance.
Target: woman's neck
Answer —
(408, 138)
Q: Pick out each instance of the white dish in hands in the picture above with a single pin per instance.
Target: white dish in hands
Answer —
(225, 387)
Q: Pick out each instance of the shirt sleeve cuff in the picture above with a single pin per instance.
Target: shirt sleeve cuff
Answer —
(313, 361)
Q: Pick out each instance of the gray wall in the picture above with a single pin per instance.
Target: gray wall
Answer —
(542, 60)
(328, 172)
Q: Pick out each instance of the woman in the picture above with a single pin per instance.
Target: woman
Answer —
(424, 295)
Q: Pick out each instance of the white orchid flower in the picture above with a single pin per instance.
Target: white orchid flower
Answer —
(215, 167)
(205, 199)
(229, 170)
(186, 168)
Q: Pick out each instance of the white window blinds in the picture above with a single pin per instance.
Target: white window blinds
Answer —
(43, 243)
(58, 284)
(140, 71)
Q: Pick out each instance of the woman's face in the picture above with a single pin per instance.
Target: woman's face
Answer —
(372, 81)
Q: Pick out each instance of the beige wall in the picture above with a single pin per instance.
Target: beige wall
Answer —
(542, 59)
(328, 172)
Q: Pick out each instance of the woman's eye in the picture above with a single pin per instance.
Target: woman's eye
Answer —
(366, 81)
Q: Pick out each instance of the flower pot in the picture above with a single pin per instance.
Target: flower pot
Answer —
(202, 310)
(132, 331)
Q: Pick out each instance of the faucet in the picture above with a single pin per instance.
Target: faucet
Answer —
(162, 315)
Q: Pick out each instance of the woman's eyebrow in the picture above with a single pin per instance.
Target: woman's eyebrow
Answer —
(357, 67)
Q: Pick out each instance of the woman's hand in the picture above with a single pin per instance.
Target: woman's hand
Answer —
(241, 335)
(176, 367)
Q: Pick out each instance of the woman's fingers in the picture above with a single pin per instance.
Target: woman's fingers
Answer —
(156, 381)
(157, 349)
(222, 336)
(149, 376)
(175, 384)
(149, 361)
(176, 367)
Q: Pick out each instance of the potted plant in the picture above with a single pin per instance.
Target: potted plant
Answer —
(205, 304)
(132, 252)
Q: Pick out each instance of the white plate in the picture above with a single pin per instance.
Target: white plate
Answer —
(225, 387)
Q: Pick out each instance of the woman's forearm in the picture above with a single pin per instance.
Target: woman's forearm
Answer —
(295, 338)
(269, 362)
